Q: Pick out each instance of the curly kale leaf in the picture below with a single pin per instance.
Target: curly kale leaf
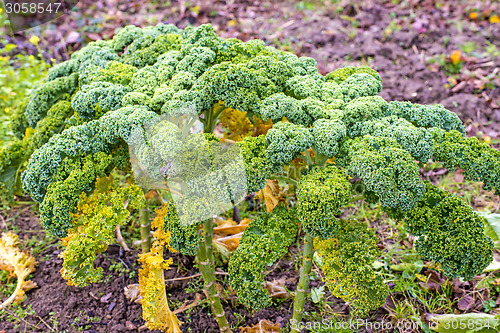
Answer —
(478, 159)
(257, 166)
(11, 160)
(450, 233)
(72, 179)
(360, 85)
(45, 96)
(94, 100)
(114, 72)
(320, 195)
(147, 49)
(14, 156)
(265, 240)
(386, 169)
(328, 135)
(240, 87)
(347, 261)
(96, 219)
(18, 120)
(136, 98)
(417, 141)
(303, 86)
(185, 239)
(285, 141)
(279, 105)
(341, 74)
(363, 109)
(427, 116)
(97, 53)
(197, 61)
(101, 135)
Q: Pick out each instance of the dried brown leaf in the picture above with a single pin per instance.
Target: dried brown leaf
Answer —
(264, 326)
(272, 194)
(132, 293)
(277, 289)
(466, 303)
(230, 242)
(229, 227)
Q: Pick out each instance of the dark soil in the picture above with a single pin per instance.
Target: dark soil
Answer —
(102, 307)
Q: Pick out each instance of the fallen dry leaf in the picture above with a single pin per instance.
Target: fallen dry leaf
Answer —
(230, 242)
(260, 126)
(272, 194)
(276, 288)
(18, 263)
(229, 227)
(466, 303)
(264, 326)
(132, 293)
(185, 307)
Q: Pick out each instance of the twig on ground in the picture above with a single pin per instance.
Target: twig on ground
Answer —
(193, 276)
(43, 321)
(120, 258)
(20, 319)
(189, 306)
(120, 240)
(3, 225)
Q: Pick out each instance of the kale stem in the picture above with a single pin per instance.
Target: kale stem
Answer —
(207, 269)
(305, 270)
(286, 179)
(145, 222)
(205, 251)
(212, 116)
(321, 159)
(356, 198)
(307, 158)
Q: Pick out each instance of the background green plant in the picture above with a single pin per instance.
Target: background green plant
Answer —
(19, 75)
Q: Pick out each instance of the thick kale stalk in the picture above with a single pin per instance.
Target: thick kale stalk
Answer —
(145, 229)
(320, 196)
(207, 268)
(305, 270)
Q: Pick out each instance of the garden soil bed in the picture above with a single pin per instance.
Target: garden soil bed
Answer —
(102, 307)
